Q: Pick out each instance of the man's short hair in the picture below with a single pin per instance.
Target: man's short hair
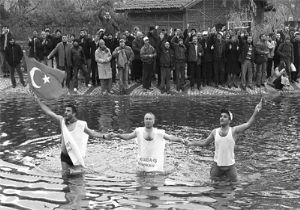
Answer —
(150, 113)
(58, 30)
(228, 113)
(74, 109)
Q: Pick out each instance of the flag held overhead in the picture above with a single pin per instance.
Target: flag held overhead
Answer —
(45, 82)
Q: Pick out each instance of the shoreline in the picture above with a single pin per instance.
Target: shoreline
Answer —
(136, 90)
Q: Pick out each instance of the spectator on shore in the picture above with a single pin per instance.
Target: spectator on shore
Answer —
(194, 53)
(207, 58)
(137, 64)
(103, 57)
(166, 65)
(112, 43)
(246, 58)
(148, 55)
(13, 55)
(271, 46)
(286, 53)
(94, 65)
(233, 67)
(78, 63)
(56, 40)
(124, 56)
(86, 43)
(5, 36)
(261, 52)
(276, 58)
(296, 43)
(63, 52)
(35, 46)
(45, 49)
(219, 60)
(180, 61)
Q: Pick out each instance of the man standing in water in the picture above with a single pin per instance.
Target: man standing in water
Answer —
(225, 139)
(76, 129)
(151, 145)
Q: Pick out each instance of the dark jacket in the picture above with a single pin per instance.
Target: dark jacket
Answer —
(167, 58)
(179, 51)
(145, 53)
(244, 51)
(153, 39)
(111, 44)
(86, 44)
(77, 56)
(35, 48)
(2, 39)
(219, 50)
(296, 44)
(109, 25)
(286, 51)
(46, 47)
(137, 45)
(192, 55)
(208, 52)
(13, 54)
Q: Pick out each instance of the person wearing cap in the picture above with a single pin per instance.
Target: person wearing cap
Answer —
(148, 55)
(296, 44)
(225, 138)
(13, 55)
(286, 53)
(124, 56)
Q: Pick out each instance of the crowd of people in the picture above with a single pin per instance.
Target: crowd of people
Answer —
(220, 58)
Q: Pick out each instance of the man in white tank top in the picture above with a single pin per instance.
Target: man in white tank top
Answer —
(79, 132)
(151, 145)
(225, 138)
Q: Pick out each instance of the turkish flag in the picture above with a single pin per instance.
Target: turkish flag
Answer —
(46, 82)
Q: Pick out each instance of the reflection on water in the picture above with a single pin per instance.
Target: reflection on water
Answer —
(267, 156)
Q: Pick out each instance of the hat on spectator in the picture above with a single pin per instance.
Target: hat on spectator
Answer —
(122, 40)
(47, 29)
(101, 30)
(145, 38)
(205, 33)
(220, 33)
(297, 33)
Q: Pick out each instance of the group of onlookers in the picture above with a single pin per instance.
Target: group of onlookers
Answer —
(224, 58)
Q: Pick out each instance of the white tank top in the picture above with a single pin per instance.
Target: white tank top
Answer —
(224, 149)
(150, 153)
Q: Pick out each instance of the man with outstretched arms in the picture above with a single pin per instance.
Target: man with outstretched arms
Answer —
(225, 138)
(151, 145)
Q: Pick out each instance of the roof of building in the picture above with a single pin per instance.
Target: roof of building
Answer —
(156, 4)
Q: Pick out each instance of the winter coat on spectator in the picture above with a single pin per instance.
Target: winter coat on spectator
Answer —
(145, 53)
(63, 50)
(77, 56)
(245, 46)
(286, 51)
(208, 52)
(219, 50)
(137, 45)
(109, 25)
(194, 56)
(3, 40)
(232, 52)
(121, 60)
(296, 44)
(13, 54)
(86, 43)
(260, 49)
(103, 58)
(46, 47)
(111, 44)
(35, 48)
(166, 58)
(153, 39)
(179, 51)
(129, 40)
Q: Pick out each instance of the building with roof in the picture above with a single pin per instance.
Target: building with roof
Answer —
(200, 14)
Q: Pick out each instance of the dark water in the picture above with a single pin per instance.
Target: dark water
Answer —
(268, 156)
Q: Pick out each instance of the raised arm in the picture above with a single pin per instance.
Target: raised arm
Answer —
(48, 111)
(127, 136)
(245, 126)
(205, 142)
